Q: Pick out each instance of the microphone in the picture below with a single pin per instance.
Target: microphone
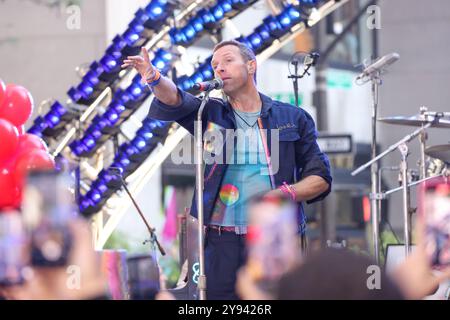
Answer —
(216, 83)
(311, 59)
(379, 65)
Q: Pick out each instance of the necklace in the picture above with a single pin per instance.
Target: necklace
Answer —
(248, 124)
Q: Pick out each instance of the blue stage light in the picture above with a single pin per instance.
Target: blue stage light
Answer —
(58, 108)
(263, 31)
(245, 41)
(135, 90)
(177, 37)
(52, 119)
(156, 9)
(197, 77)
(74, 94)
(289, 17)
(95, 132)
(207, 17)
(112, 117)
(89, 141)
(275, 28)
(226, 6)
(117, 106)
(141, 16)
(217, 11)
(185, 83)
(197, 23)
(189, 32)
(86, 89)
(109, 63)
(84, 204)
(77, 148)
(91, 77)
(256, 41)
(239, 4)
(207, 71)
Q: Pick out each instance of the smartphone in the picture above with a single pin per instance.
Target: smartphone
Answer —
(48, 207)
(272, 239)
(13, 248)
(435, 214)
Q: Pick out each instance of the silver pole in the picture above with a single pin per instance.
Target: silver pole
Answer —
(374, 208)
(423, 139)
(199, 183)
(403, 148)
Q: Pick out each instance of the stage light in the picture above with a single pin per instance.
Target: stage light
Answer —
(245, 41)
(256, 41)
(141, 16)
(109, 63)
(133, 34)
(189, 32)
(91, 78)
(197, 23)
(239, 4)
(185, 83)
(275, 28)
(155, 9)
(217, 12)
(77, 148)
(226, 7)
(177, 37)
(207, 71)
(89, 141)
(74, 94)
(209, 21)
(263, 31)
(86, 89)
(162, 60)
(112, 116)
(289, 17)
(197, 77)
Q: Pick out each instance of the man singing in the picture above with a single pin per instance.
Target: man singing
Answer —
(298, 169)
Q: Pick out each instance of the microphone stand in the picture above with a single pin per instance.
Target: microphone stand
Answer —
(295, 78)
(153, 238)
(199, 187)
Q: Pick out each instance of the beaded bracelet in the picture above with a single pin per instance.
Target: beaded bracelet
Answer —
(288, 189)
(155, 79)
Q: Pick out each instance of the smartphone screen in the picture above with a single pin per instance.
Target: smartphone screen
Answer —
(48, 206)
(436, 216)
(13, 244)
(272, 239)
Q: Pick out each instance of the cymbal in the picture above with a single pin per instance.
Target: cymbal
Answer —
(441, 152)
(416, 121)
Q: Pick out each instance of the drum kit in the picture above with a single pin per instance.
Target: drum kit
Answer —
(439, 154)
(437, 164)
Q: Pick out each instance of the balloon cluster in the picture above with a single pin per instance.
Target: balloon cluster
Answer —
(19, 151)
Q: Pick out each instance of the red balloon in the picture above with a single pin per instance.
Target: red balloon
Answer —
(21, 130)
(17, 106)
(29, 142)
(9, 191)
(9, 140)
(33, 160)
(2, 91)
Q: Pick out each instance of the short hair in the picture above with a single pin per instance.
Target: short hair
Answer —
(246, 52)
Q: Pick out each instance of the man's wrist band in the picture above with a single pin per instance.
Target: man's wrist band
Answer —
(153, 81)
(289, 190)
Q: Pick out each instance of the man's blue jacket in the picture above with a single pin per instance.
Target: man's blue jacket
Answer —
(299, 154)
